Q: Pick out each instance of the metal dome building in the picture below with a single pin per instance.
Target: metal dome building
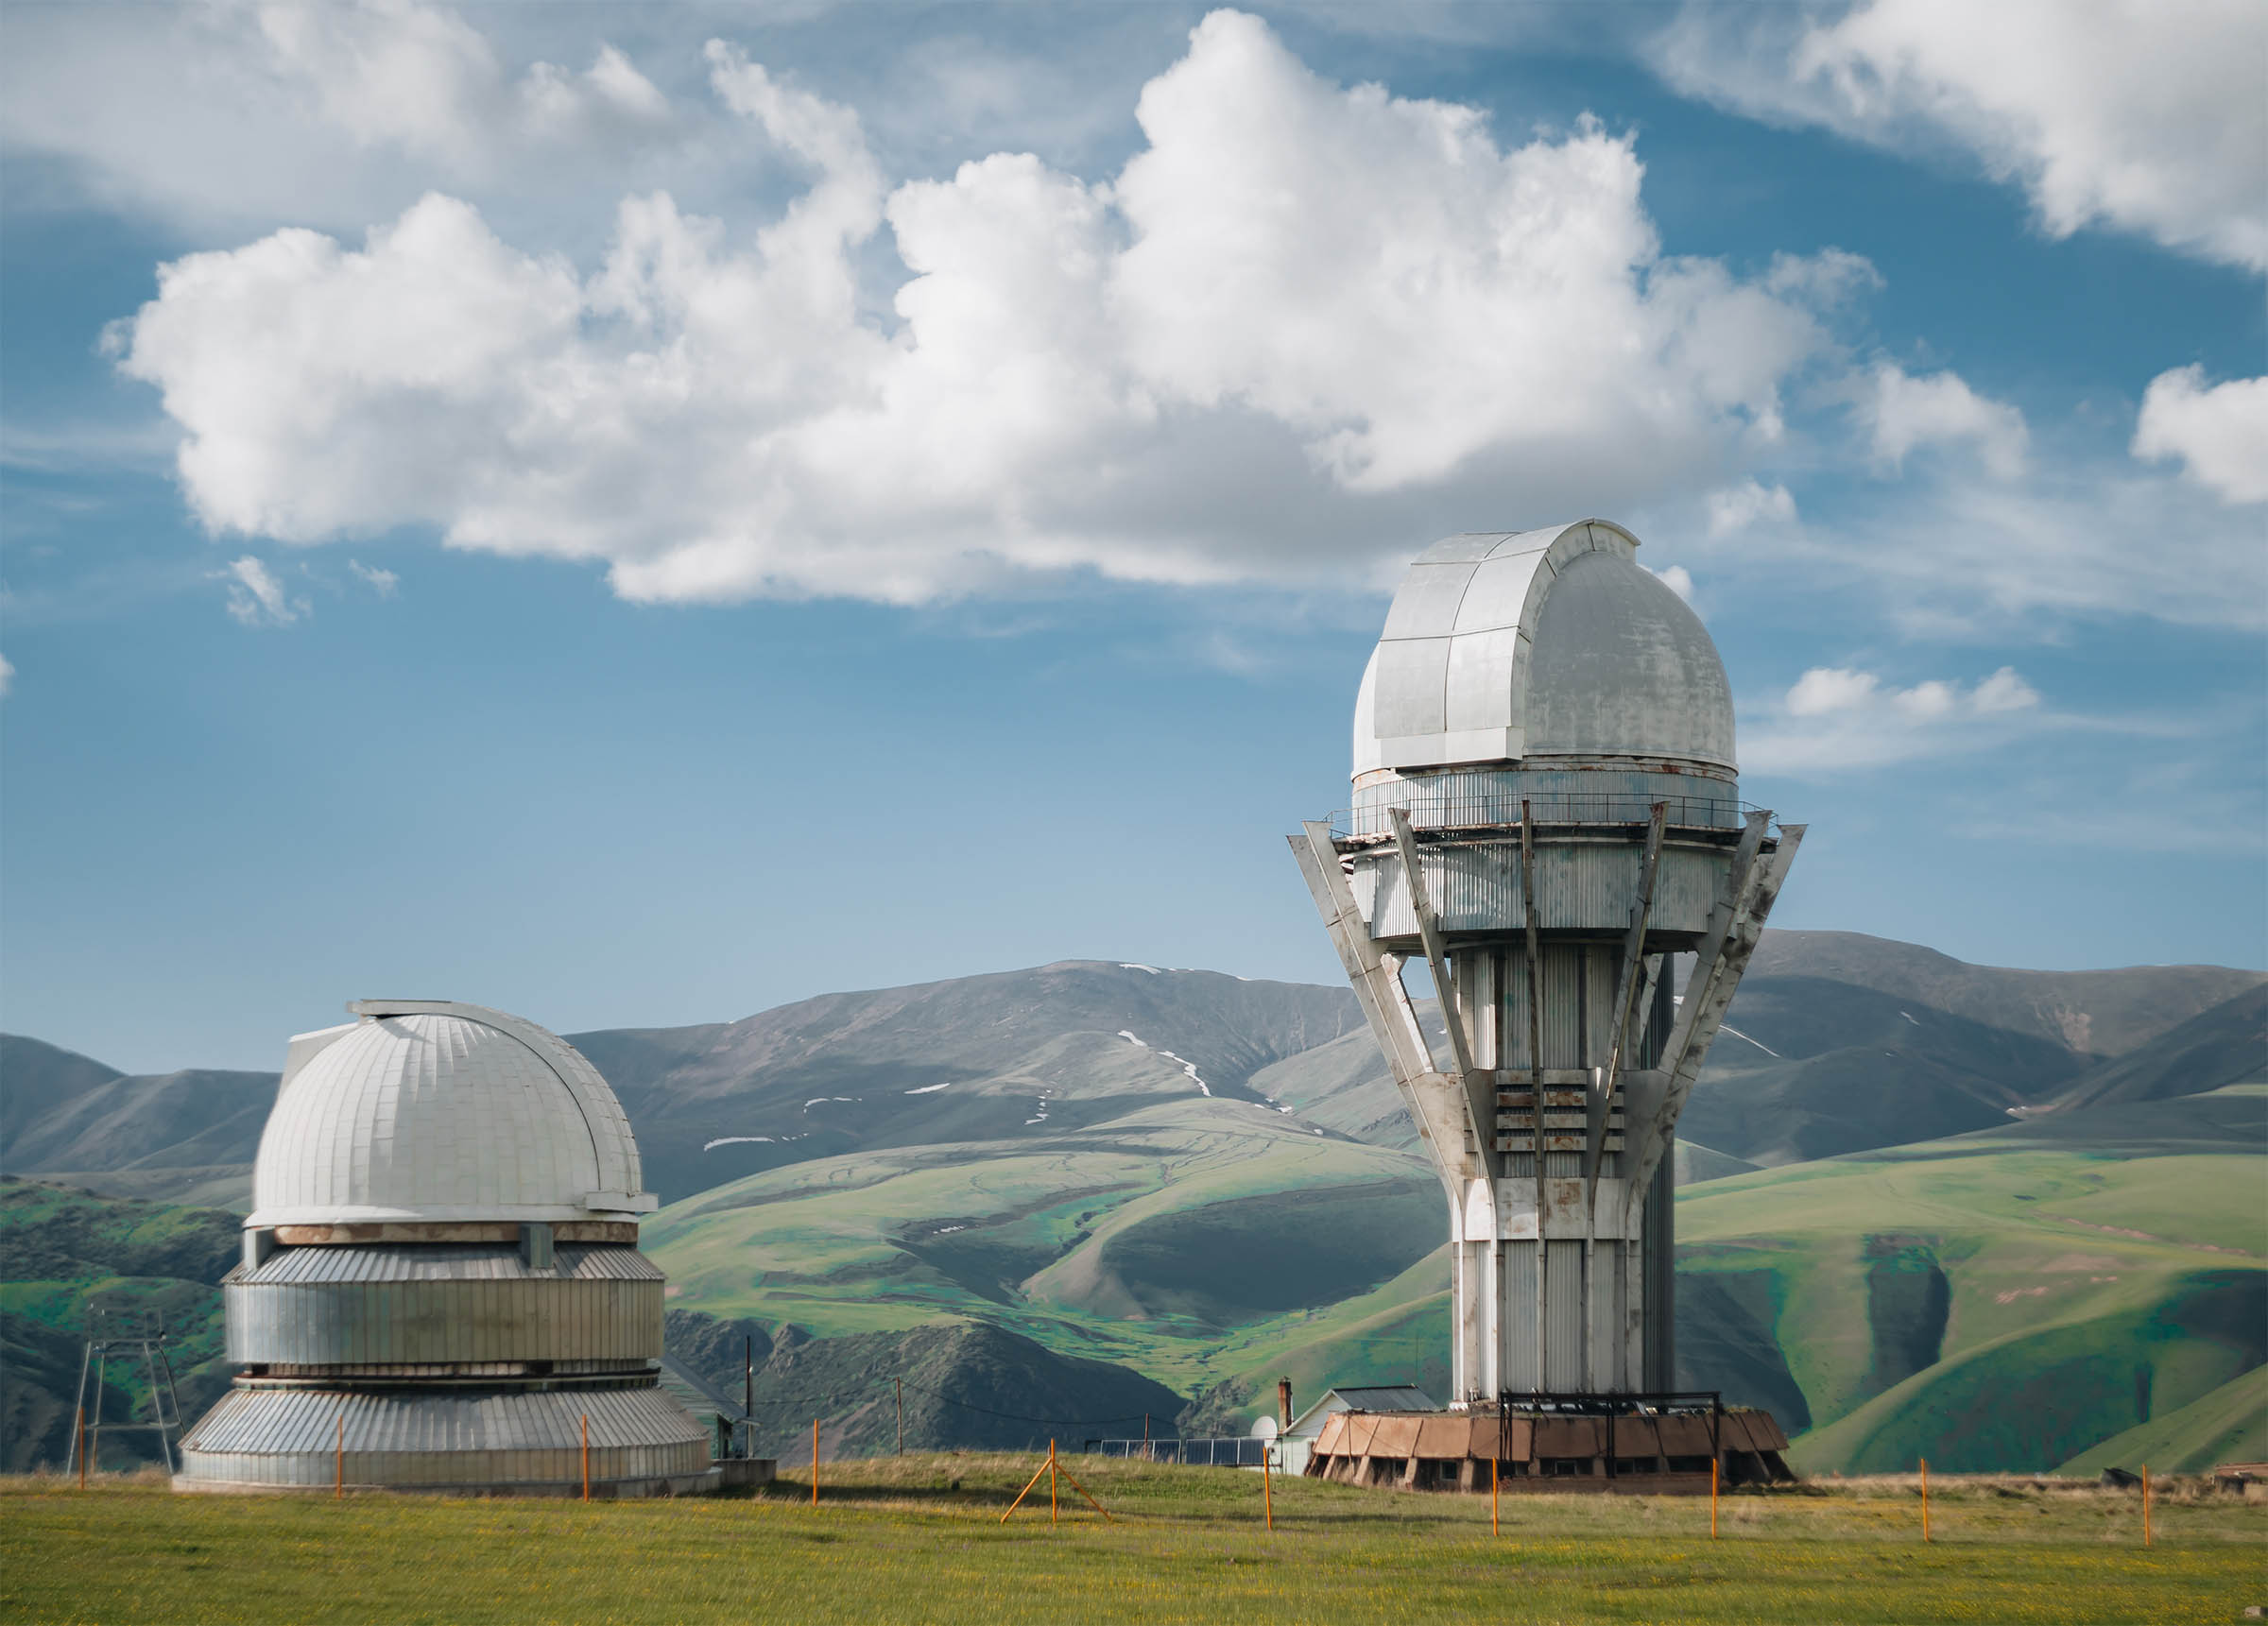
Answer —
(1546, 809)
(441, 1287)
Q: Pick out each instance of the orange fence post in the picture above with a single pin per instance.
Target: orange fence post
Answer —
(1027, 1490)
(1712, 1497)
(1267, 1494)
(1049, 1469)
(2145, 1504)
(1090, 1495)
(815, 1461)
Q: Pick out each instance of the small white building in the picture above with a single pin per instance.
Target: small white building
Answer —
(1295, 1443)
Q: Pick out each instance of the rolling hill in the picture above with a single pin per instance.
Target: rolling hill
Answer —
(2104, 1012)
(60, 1110)
(2225, 1044)
(62, 1253)
(1207, 1183)
(974, 1059)
(2009, 1298)
(1017, 1053)
(1812, 1067)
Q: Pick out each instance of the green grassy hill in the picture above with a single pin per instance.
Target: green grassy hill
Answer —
(1145, 1240)
(2004, 1299)
(2229, 1424)
(64, 1253)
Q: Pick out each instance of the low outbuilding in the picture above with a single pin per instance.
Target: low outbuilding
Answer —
(1295, 1443)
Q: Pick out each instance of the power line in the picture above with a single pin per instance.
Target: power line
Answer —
(970, 1406)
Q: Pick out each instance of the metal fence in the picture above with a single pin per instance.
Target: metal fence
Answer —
(1239, 1451)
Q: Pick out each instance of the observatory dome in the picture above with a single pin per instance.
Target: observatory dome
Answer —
(1548, 649)
(430, 1110)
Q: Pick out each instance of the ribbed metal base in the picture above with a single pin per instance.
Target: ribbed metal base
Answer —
(642, 1442)
(601, 1490)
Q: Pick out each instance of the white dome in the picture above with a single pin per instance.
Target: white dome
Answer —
(428, 1110)
(1530, 646)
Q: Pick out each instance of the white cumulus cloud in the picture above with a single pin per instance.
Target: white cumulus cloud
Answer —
(1735, 508)
(2146, 116)
(225, 112)
(381, 582)
(1840, 718)
(1302, 318)
(2219, 434)
(1903, 412)
(256, 598)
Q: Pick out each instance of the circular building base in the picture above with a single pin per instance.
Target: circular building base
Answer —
(495, 1443)
(601, 1490)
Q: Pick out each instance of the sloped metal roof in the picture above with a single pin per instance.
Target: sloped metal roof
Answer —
(1385, 1398)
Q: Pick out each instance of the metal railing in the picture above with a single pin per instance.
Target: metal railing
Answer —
(1451, 807)
(1230, 1451)
(1592, 1403)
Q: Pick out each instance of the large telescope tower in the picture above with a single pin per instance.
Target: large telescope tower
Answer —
(1546, 810)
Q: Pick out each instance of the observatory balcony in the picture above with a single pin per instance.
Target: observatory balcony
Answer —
(1456, 804)
(1583, 858)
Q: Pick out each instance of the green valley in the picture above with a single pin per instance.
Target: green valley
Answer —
(1955, 1229)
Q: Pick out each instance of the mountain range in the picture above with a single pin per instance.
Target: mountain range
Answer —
(1202, 1182)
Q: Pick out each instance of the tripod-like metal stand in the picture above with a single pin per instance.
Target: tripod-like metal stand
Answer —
(124, 1333)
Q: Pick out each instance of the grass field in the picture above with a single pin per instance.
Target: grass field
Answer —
(919, 1539)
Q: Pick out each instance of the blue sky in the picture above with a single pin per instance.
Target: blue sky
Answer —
(637, 515)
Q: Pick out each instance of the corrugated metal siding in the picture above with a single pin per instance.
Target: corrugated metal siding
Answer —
(1580, 886)
(1563, 1367)
(1521, 1371)
(449, 1261)
(1659, 1269)
(1562, 986)
(420, 1321)
(289, 1437)
(1608, 1295)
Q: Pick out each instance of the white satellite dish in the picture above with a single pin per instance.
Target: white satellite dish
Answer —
(1264, 1429)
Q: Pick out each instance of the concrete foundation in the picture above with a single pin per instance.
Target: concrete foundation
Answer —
(1616, 1453)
